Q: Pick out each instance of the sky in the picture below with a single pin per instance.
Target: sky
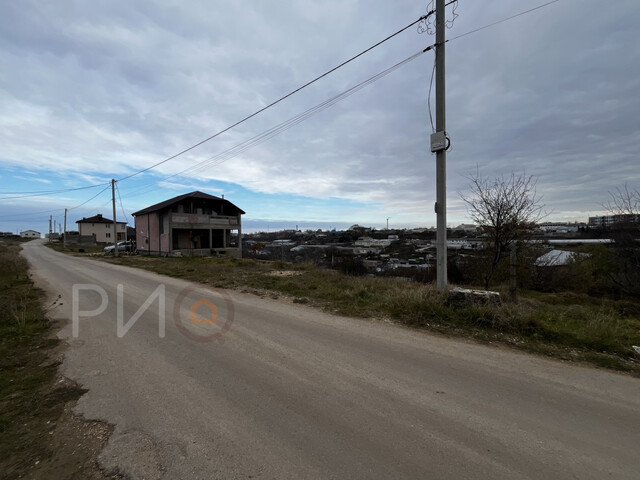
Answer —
(91, 91)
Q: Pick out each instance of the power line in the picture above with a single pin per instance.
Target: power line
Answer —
(427, 26)
(427, 15)
(293, 121)
(504, 20)
(95, 196)
(280, 99)
(121, 206)
(51, 192)
(41, 193)
(241, 148)
(433, 71)
(54, 210)
(13, 215)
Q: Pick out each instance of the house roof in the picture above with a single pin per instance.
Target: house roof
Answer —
(96, 219)
(557, 258)
(233, 209)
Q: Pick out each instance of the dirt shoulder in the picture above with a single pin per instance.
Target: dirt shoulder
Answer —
(41, 437)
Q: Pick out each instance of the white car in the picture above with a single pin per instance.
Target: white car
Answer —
(126, 246)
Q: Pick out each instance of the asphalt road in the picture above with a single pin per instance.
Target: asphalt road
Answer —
(282, 391)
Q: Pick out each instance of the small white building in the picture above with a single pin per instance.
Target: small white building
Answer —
(558, 227)
(462, 244)
(369, 242)
(467, 227)
(30, 234)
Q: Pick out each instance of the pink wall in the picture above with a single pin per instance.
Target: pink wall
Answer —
(147, 229)
(149, 239)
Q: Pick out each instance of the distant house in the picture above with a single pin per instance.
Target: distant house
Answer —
(368, 242)
(30, 234)
(558, 227)
(558, 258)
(467, 227)
(102, 228)
(195, 223)
(463, 243)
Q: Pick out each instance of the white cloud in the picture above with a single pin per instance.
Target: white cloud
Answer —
(98, 91)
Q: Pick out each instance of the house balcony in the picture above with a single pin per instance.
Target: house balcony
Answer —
(193, 220)
(197, 234)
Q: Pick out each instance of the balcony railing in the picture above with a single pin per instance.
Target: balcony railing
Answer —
(203, 221)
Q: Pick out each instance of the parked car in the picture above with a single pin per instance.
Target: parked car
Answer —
(126, 246)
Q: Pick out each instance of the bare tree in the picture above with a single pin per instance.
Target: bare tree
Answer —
(623, 201)
(625, 232)
(504, 208)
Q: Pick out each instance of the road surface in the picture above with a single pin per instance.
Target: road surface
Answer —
(281, 391)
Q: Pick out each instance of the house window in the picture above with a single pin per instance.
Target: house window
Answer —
(161, 222)
(108, 235)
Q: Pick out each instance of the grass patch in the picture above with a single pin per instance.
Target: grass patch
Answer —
(568, 326)
(77, 250)
(30, 398)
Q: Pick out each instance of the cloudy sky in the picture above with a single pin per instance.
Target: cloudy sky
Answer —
(96, 90)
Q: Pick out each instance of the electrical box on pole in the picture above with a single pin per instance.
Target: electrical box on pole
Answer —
(439, 142)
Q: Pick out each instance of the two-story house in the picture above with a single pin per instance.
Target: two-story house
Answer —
(102, 228)
(195, 223)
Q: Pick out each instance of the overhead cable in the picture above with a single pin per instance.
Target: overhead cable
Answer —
(293, 121)
(279, 99)
(42, 193)
(504, 20)
(95, 196)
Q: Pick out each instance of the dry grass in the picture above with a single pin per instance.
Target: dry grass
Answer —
(30, 398)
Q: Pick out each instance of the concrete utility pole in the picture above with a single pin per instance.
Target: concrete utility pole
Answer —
(115, 225)
(441, 154)
(50, 223)
(64, 238)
